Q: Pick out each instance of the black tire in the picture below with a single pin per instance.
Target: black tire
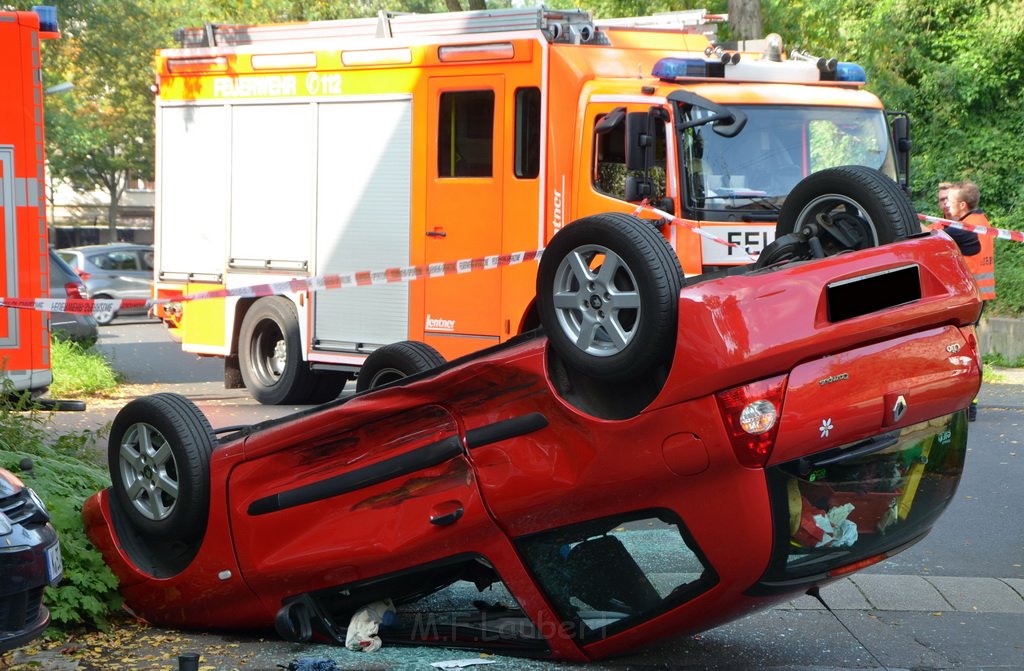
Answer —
(103, 318)
(270, 353)
(326, 386)
(873, 206)
(395, 361)
(638, 332)
(159, 459)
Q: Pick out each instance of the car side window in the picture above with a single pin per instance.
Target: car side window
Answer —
(147, 260)
(70, 259)
(116, 261)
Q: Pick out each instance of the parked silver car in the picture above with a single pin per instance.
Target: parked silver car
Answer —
(116, 270)
(65, 283)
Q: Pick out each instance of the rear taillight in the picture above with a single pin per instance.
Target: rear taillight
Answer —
(75, 290)
(83, 275)
(751, 415)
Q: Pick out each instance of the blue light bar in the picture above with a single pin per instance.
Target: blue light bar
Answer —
(850, 72)
(47, 18)
(669, 69)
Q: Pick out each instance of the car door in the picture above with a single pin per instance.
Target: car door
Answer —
(314, 508)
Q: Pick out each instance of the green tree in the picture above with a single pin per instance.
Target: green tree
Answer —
(101, 133)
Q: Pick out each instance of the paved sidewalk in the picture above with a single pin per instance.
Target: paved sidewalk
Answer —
(927, 594)
(875, 622)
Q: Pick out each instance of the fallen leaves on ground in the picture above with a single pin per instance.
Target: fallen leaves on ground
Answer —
(130, 646)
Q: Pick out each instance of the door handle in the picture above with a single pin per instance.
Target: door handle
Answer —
(436, 234)
(446, 513)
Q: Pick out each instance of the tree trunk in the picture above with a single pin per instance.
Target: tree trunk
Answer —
(477, 4)
(112, 216)
(745, 19)
(116, 183)
(453, 5)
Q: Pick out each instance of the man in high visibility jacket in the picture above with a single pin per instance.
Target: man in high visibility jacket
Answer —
(962, 200)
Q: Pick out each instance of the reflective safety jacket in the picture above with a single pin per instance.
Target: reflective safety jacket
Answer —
(982, 264)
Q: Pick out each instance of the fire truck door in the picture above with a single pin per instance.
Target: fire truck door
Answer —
(464, 210)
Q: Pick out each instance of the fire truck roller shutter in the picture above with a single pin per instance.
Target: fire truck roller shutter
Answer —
(272, 186)
(193, 204)
(364, 185)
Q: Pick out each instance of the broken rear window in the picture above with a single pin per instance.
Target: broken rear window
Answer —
(606, 575)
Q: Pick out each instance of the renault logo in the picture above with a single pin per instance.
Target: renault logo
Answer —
(899, 408)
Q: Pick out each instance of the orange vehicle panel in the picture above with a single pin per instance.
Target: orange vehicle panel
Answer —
(24, 273)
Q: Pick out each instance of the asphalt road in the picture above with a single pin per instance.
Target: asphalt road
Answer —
(954, 601)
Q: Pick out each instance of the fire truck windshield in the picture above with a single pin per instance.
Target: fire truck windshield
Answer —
(756, 169)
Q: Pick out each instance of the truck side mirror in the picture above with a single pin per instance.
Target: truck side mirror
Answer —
(901, 144)
(639, 141)
(638, 188)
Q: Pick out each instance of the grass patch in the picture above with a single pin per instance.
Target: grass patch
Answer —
(78, 371)
(996, 359)
(988, 374)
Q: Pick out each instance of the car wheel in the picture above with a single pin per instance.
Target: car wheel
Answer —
(159, 458)
(845, 208)
(105, 316)
(608, 296)
(395, 361)
(270, 353)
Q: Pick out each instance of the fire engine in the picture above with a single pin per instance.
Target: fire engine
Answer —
(24, 334)
(300, 150)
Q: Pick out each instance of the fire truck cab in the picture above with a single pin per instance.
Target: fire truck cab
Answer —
(24, 270)
(299, 150)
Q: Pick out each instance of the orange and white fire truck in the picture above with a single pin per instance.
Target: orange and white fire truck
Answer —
(24, 270)
(297, 150)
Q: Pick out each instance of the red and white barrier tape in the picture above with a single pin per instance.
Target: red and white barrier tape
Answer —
(1001, 233)
(319, 283)
(644, 207)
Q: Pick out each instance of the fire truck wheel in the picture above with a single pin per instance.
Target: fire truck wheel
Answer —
(848, 207)
(395, 361)
(159, 459)
(608, 296)
(270, 353)
(104, 317)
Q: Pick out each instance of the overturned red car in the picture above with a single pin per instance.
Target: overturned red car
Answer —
(663, 455)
